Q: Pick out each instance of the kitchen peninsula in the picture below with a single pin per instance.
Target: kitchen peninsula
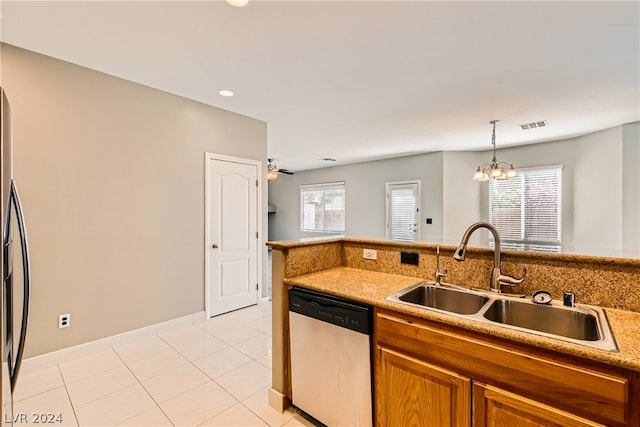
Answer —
(525, 373)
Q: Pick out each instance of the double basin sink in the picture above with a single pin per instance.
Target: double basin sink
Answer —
(585, 325)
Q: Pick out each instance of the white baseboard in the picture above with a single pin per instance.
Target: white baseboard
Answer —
(71, 353)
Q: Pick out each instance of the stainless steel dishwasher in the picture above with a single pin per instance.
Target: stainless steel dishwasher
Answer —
(331, 358)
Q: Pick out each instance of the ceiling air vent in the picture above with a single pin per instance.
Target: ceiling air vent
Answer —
(534, 125)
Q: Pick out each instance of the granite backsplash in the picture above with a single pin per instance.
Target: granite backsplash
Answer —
(607, 282)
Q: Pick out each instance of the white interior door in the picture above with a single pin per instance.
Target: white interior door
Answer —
(232, 234)
(403, 206)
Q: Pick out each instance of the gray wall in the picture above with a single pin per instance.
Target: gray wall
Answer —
(599, 188)
(631, 186)
(600, 197)
(462, 200)
(597, 199)
(365, 195)
(111, 175)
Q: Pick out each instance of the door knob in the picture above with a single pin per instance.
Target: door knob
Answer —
(214, 246)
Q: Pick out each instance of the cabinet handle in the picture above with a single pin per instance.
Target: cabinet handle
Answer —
(214, 246)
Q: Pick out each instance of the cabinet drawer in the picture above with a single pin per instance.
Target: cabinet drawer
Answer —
(591, 392)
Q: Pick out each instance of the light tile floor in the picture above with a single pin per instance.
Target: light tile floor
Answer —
(214, 373)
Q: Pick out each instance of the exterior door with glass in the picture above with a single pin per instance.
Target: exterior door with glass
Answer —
(403, 207)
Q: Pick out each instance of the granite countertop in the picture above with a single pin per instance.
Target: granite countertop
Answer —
(373, 287)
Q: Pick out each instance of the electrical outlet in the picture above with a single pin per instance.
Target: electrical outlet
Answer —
(370, 254)
(64, 320)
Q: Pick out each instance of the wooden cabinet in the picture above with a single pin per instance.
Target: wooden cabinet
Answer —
(425, 372)
(411, 392)
(493, 407)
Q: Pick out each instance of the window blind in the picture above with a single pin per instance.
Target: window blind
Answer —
(403, 214)
(322, 208)
(526, 209)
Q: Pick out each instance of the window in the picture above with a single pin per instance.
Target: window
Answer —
(322, 208)
(526, 209)
(403, 199)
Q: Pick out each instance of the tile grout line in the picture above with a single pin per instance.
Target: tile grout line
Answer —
(145, 390)
(65, 385)
(260, 333)
(200, 370)
(229, 346)
(92, 400)
(31, 396)
(256, 360)
(258, 415)
(66, 390)
(212, 380)
(229, 393)
(207, 333)
(252, 359)
(192, 341)
(238, 400)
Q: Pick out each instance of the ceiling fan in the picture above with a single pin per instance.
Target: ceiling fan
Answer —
(273, 171)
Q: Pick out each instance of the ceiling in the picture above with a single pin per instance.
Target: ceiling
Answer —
(363, 80)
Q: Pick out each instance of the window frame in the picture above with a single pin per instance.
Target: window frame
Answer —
(539, 245)
(325, 186)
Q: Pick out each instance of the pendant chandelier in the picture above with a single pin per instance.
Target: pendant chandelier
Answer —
(495, 169)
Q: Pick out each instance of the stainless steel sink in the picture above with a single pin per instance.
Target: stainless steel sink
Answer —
(439, 298)
(565, 321)
(583, 324)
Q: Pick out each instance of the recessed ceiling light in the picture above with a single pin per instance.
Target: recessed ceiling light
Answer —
(238, 3)
(225, 93)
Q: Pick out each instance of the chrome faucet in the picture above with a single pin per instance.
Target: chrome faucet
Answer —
(497, 278)
(439, 274)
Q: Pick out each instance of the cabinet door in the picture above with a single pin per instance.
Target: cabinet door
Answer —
(493, 407)
(410, 392)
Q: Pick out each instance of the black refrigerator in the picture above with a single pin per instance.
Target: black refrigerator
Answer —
(15, 271)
